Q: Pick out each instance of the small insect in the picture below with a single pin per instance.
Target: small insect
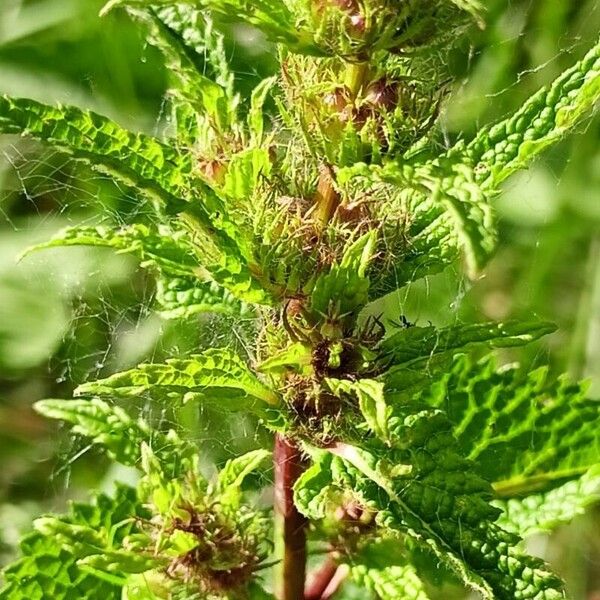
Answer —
(402, 323)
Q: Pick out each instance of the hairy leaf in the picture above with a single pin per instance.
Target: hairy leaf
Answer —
(344, 289)
(543, 512)
(134, 158)
(544, 119)
(273, 17)
(182, 297)
(112, 428)
(167, 33)
(232, 475)
(371, 402)
(415, 347)
(212, 370)
(49, 568)
(443, 506)
(380, 568)
(441, 207)
(162, 249)
(545, 430)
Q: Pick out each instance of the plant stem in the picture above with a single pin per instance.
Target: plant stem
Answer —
(326, 198)
(321, 579)
(356, 74)
(288, 467)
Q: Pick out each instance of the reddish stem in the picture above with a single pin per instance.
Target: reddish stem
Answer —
(288, 467)
(320, 580)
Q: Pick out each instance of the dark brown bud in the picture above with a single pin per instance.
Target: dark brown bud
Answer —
(382, 93)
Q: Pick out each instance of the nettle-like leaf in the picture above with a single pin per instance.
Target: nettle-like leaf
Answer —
(273, 17)
(545, 430)
(543, 512)
(53, 558)
(170, 254)
(417, 347)
(380, 568)
(424, 489)
(232, 475)
(501, 149)
(446, 210)
(143, 162)
(214, 372)
(164, 250)
(182, 529)
(182, 297)
(113, 429)
(160, 172)
(344, 289)
(371, 402)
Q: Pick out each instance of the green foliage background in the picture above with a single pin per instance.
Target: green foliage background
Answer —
(74, 314)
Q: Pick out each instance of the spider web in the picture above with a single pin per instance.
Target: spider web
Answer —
(112, 325)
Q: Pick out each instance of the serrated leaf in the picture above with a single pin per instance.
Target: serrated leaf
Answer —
(272, 17)
(167, 32)
(371, 402)
(112, 428)
(312, 490)
(416, 346)
(344, 289)
(440, 210)
(161, 172)
(212, 370)
(503, 148)
(443, 506)
(165, 250)
(296, 356)
(244, 172)
(452, 186)
(543, 512)
(232, 475)
(183, 297)
(545, 430)
(383, 570)
(256, 116)
(155, 169)
(48, 568)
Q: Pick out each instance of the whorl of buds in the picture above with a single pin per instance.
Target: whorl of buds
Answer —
(357, 28)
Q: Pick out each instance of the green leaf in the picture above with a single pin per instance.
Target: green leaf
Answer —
(202, 94)
(384, 571)
(212, 370)
(167, 251)
(442, 505)
(112, 428)
(543, 512)
(156, 170)
(501, 149)
(296, 356)
(344, 289)
(272, 17)
(544, 429)
(449, 214)
(415, 347)
(244, 172)
(48, 567)
(371, 402)
(313, 489)
(195, 30)
(232, 475)
(256, 116)
(183, 297)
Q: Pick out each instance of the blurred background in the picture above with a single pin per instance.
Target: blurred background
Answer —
(67, 316)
